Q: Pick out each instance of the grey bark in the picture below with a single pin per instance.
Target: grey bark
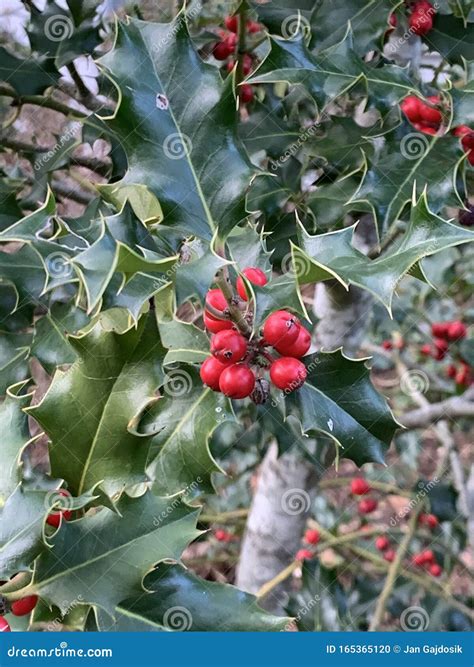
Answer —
(275, 524)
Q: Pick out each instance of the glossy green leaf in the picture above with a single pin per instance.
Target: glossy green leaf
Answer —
(180, 140)
(181, 423)
(184, 341)
(451, 38)
(182, 602)
(16, 435)
(122, 548)
(28, 76)
(90, 412)
(339, 400)
(332, 255)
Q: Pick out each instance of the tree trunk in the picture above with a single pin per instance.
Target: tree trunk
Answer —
(287, 485)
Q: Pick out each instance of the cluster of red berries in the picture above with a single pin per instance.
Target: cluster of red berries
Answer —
(427, 118)
(382, 543)
(226, 47)
(311, 537)
(426, 559)
(237, 362)
(445, 333)
(424, 117)
(25, 605)
(360, 487)
(421, 17)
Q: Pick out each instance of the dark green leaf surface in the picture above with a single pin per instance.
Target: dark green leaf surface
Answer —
(332, 255)
(121, 548)
(90, 411)
(176, 122)
(339, 400)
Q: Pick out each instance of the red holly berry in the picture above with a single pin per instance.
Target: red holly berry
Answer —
(255, 276)
(451, 371)
(463, 376)
(420, 22)
(4, 625)
(392, 19)
(467, 140)
(232, 23)
(430, 115)
(367, 506)
(288, 373)
(297, 349)
(456, 330)
(216, 299)
(359, 486)
(440, 329)
(213, 325)
(222, 50)
(387, 345)
(253, 26)
(440, 348)
(389, 555)
(228, 347)
(382, 543)
(211, 372)
(223, 535)
(237, 381)
(312, 536)
(435, 570)
(411, 108)
(423, 558)
(24, 606)
(246, 65)
(304, 554)
(54, 519)
(246, 93)
(461, 130)
(426, 349)
(429, 520)
(281, 328)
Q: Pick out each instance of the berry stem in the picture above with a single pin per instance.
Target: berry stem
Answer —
(220, 315)
(236, 315)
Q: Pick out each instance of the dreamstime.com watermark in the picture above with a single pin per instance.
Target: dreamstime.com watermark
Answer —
(423, 490)
(176, 502)
(56, 624)
(301, 613)
(193, 13)
(294, 147)
(61, 651)
(43, 160)
(395, 44)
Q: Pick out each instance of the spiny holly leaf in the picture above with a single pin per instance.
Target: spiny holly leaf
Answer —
(194, 278)
(182, 422)
(332, 72)
(341, 143)
(463, 99)
(328, 202)
(25, 271)
(29, 76)
(368, 20)
(90, 411)
(50, 344)
(180, 138)
(135, 293)
(16, 435)
(124, 246)
(451, 38)
(21, 530)
(14, 354)
(339, 400)
(280, 16)
(183, 602)
(10, 208)
(412, 160)
(185, 342)
(332, 255)
(121, 548)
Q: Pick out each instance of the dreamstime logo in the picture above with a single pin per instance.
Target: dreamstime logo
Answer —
(414, 145)
(65, 606)
(176, 27)
(54, 501)
(177, 502)
(423, 490)
(48, 155)
(58, 27)
(177, 382)
(295, 26)
(177, 145)
(414, 382)
(295, 265)
(429, 11)
(59, 266)
(295, 501)
(178, 619)
(414, 619)
(295, 146)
